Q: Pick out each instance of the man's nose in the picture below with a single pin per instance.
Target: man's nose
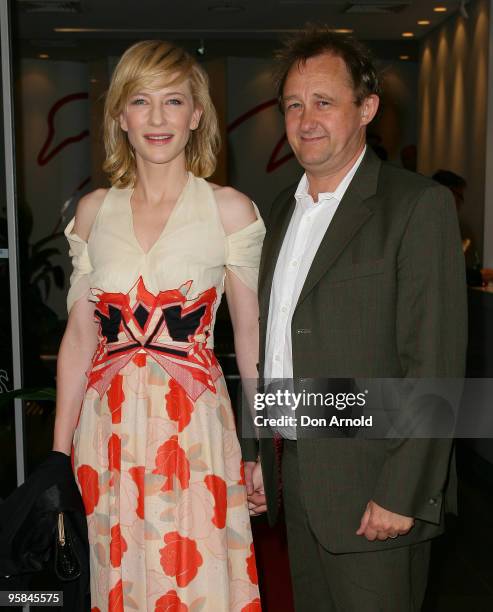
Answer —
(308, 121)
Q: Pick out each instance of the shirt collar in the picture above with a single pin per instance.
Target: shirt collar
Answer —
(303, 196)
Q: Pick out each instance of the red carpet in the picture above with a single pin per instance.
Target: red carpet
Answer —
(273, 566)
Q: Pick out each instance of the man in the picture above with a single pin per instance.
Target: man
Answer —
(475, 275)
(362, 275)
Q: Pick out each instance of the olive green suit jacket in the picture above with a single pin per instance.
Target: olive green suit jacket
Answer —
(385, 297)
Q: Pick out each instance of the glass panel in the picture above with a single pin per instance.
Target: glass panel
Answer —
(8, 476)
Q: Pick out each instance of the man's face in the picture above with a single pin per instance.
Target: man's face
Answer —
(324, 125)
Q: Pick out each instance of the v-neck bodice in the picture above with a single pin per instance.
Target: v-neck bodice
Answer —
(192, 250)
(168, 225)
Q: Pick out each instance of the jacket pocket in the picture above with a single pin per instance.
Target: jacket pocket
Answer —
(357, 270)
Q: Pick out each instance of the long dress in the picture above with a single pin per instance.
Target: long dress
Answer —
(155, 451)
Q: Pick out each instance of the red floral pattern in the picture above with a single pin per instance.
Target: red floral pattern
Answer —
(242, 474)
(89, 485)
(171, 460)
(170, 603)
(217, 487)
(178, 406)
(114, 453)
(118, 546)
(180, 558)
(116, 397)
(115, 598)
(140, 360)
(251, 566)
(138, 476)
(253, 606)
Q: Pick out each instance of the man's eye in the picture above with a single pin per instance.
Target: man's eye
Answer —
(292, 105)
(324, 103)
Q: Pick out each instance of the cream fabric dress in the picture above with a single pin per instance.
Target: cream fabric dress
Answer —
(156, 455)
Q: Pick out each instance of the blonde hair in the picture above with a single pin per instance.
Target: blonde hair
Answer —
(144, 65)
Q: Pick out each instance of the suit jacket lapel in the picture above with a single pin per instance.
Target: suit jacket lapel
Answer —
(352, 212)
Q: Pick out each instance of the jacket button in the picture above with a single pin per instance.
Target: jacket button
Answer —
(432, 501)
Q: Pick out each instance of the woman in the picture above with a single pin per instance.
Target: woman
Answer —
(155, 451)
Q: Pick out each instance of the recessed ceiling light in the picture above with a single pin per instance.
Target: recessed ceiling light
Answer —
(424, 22)
(440, 9)
(343, 30)
(407, 34)
(226, 7)
(200, 50)
(404, 57)
(43, 56)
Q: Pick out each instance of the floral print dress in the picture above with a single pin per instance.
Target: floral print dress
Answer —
(155, 451)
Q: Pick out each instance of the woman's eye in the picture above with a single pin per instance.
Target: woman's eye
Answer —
(174, 101)
(137, 101)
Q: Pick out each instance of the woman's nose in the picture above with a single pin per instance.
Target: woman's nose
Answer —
(157, 114)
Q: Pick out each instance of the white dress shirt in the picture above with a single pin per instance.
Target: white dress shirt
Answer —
(305, 232)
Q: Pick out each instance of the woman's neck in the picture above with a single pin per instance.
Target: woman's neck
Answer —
(156, 183)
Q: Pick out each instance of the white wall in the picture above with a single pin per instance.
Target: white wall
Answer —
(251, 144)
(453, 94)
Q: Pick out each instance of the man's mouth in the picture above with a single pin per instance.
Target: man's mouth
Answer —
(311, 138)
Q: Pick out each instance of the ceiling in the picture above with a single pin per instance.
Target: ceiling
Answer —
(88, 28)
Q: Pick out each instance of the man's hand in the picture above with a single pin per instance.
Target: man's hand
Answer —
(255, 488)
(487, 275)
(380, 524)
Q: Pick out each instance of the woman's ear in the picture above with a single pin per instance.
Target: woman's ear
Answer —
(123, 121)
(195, 121)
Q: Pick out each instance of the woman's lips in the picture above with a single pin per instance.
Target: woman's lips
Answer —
(158, 139)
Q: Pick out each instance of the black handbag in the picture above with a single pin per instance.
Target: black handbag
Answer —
(66, 560)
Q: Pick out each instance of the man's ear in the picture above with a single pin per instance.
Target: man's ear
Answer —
(369, 108)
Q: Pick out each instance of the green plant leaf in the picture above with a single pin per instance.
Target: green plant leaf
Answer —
(42, 258)
(37, 245)
(38, 393)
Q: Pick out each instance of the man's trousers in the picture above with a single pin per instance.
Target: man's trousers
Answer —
(392, 580)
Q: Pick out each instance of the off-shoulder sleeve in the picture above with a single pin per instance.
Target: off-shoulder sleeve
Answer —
(82, 268)
(243, 251)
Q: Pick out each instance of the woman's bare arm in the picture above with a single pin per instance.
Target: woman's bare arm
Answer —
(74, 358)
(78, 343)
(236, 212)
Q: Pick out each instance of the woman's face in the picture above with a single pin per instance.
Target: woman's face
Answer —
(158, 122)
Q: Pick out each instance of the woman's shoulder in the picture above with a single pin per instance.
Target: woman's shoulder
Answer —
(87, 210)
(236, 210)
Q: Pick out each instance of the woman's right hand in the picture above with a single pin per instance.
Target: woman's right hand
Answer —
(257, 503)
